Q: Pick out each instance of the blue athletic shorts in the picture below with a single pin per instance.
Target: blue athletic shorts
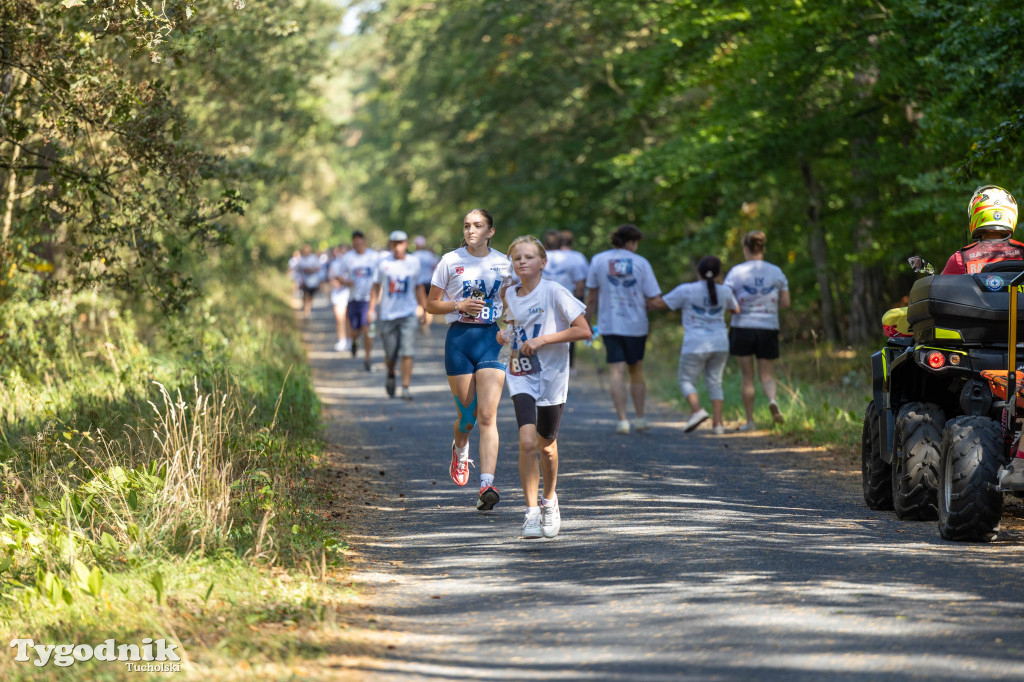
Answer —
(356, 312)
(469, 347)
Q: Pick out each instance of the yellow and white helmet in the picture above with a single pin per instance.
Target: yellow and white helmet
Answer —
(992, 208)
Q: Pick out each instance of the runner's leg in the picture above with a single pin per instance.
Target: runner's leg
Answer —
(746, 363)
(529, 472)
(489, 383)
(617, 387)
(463, 387)
(637, 388)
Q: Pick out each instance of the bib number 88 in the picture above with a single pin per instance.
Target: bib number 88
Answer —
(520, 365)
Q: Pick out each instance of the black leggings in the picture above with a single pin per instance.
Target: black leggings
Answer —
(547, 418)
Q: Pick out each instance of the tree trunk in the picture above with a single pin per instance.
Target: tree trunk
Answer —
(819, 252)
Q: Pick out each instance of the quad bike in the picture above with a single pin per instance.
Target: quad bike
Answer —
(939, 430)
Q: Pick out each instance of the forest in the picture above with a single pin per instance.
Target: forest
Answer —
(160, 162)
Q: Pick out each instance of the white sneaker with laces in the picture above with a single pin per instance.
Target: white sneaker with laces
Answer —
(695, 420)
(531, 527)
(622, 426)
(749, 426)
(550, 520)
(640, 424)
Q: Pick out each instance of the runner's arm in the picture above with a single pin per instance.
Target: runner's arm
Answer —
(579, 330)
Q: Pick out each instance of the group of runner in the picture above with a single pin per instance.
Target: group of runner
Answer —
(537, 290)
(367, 287)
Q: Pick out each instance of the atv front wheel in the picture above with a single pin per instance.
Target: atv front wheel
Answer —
(969, 504)
(915, 461)
(875, 471)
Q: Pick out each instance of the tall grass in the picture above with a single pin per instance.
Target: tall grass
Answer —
(126, 446)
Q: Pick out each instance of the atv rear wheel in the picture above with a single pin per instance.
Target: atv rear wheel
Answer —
(915, 461)
(875, 471)
(969, 504)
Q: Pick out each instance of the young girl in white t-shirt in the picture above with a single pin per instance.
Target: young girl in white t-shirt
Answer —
(543, 319)
(706, 339)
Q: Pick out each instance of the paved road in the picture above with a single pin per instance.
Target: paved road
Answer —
(681, 556)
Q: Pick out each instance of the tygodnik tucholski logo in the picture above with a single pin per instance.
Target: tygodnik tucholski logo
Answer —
(149, 656)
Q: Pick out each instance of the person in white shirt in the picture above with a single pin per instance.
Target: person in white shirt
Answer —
(620, 282)
(568, 268)
(339, 296)
(761, 289)
(358, 271)
(428, 261)
(399, 293)
(310, 270)
(705, 346)
(543, 318)
(466, 287)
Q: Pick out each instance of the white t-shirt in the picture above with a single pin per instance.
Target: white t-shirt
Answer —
(459, 274)
(757, 285)
(704, 324)
(309, 270)
(362, 270)
(428, 261)
(624, 281)
(339, 295)
(398, 282)
(566, 268)
(548, 309)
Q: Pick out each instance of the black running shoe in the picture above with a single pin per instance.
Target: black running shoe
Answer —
(390, 386)
(488, 498)
(355, 346)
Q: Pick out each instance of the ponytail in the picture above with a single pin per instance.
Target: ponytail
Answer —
(708, 268)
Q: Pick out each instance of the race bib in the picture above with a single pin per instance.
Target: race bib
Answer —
(522, 365)
(487, 315)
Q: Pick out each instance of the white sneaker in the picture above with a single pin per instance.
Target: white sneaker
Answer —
(531, 527)
(749, 426)
(622, 426)
(695, 420)
(640, 424)
(1010, 478)
(550, 520)
(718, 430)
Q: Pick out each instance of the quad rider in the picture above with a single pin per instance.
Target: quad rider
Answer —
(992, 212)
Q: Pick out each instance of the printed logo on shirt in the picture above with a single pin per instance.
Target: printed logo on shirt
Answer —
(620, 272)
(459, 269)
(360, 273)
(707, 311)
(536, 311)
(398, 287)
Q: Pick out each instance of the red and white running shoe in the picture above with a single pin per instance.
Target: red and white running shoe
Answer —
(459, 469)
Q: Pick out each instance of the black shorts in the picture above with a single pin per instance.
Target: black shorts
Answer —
(763, 343)
(547, 418)
(310, 291)
(628, 349)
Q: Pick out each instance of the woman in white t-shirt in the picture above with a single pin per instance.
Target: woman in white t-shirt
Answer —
(761, 289)
(705, 341)
(543, 319)
(466, 288)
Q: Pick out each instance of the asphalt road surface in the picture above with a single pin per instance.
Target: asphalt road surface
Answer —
(681, 556)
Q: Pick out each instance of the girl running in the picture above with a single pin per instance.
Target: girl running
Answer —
(706, 339)
(543, 319)
(465, 288)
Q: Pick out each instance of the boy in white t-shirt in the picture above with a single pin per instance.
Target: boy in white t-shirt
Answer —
(620, 283)
(399, 293)
(543, 318)
(359, 271)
